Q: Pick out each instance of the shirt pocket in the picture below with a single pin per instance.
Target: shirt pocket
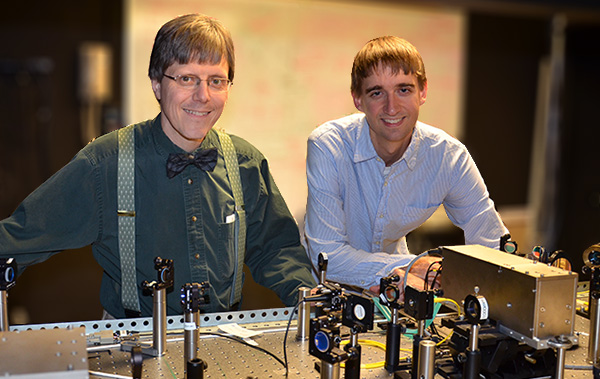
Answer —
(226, 253)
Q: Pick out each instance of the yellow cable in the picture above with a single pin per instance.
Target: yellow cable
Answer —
(382, 345)
(447, 300)
(458, 310)
(445, 338)
(368, 343)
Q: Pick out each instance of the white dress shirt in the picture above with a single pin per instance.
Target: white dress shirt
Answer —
(359, 211)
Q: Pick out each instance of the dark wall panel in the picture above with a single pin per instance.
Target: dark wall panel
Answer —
(502, 74)
(40, 132)
(579, 196)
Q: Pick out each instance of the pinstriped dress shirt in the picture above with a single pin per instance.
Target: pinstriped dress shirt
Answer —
(359, 211)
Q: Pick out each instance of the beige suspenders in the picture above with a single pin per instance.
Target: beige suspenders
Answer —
(126, 216)
(233, 173)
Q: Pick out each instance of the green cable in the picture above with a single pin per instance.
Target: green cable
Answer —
(383, 309)
(169, 366)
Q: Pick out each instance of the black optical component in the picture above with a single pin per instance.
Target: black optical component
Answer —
(8, 273)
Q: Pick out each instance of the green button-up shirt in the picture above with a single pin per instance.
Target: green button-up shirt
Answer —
(186, 219)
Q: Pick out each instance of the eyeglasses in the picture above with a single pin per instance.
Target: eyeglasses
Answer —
(192, 82)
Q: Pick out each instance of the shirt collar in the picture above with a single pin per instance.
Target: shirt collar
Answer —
(410, 155)
(365, 149)
(364, 146)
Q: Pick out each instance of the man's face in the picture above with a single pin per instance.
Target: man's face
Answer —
(189, 113)
(391, 105)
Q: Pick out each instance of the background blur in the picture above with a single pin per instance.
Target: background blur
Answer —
(516, 81)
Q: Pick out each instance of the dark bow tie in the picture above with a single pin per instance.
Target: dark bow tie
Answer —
(204, 159)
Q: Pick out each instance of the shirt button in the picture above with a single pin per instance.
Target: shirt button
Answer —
(377, 243)
(381, 215)
(197, 256)
(191, 156)
(194, 218)
(190, 181)
(385, 184)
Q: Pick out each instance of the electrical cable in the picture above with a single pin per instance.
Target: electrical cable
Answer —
(286, 334)
(385, 311)
(447, 300)
(445, 338)
(579, 367)
(434, 330)
(368, 343)
(409, 266)
(169, 366)
(437, 273)
(429, 270)
(380, 345)
(438, 301)
(237, 339)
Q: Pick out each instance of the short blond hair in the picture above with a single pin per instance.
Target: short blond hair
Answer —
(391, 52)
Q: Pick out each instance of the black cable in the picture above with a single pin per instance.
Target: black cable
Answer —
(234, 338)
(286, 334)
(434, 330)
(437, 273)
(429, 270)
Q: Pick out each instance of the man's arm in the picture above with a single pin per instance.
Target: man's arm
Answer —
(60, 214)
(274, 254)
(468, 205)
(423, 267)
(325, 224)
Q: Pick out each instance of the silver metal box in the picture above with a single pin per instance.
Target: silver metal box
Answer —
(531, 301)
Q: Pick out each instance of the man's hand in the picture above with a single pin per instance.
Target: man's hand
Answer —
(412, 280)
(416, 276)
(433, 264)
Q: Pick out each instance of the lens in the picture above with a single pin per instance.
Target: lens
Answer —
(473, 310)
(359, 312)
(595, 257)
(591, 256)
(322, 342)
(510, 247)
(476, 309)
(391, 294)
(562, 263)
(9, 275)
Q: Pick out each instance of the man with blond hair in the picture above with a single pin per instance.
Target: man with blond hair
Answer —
(375, 176)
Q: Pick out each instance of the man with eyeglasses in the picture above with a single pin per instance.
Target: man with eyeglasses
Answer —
(375, 176)
(172, 187)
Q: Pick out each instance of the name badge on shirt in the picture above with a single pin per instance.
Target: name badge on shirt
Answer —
(229, 219)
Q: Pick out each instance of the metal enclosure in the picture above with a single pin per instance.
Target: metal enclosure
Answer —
(531, 301)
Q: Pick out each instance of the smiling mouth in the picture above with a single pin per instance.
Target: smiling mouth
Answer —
(393, 121)
(195, 113)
